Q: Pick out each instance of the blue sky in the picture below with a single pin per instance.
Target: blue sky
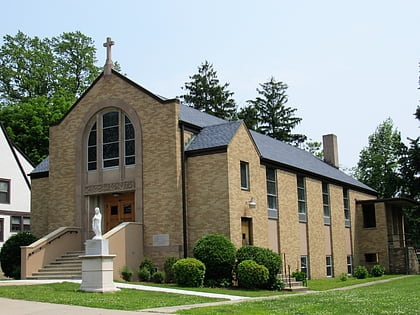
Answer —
(349, 65)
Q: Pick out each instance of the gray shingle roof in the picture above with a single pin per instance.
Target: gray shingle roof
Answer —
(42, 167)
(198, 118)
(269, 148)
(214, 136)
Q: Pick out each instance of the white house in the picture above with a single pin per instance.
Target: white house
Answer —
(15, 188)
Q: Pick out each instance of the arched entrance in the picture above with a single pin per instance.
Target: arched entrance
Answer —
(119, 207)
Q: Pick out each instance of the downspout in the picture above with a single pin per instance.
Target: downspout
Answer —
(184, 193)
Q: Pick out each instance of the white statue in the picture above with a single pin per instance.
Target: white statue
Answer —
(97, 224)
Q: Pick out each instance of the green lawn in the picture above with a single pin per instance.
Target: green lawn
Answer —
(126, 299)
(395, 297)
(332, 283)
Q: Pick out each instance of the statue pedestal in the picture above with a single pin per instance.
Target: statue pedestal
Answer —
(97, 267)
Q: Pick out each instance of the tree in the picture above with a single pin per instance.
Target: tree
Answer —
(274, 118)
(378, 165)
(39, 80)
(205, 93)
(410, 175)
(315, 148)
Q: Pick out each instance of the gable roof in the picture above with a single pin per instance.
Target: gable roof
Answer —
(272, 151)
(214, 137)
(18, 155)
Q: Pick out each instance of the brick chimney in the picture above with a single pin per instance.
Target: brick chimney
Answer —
(330, 147)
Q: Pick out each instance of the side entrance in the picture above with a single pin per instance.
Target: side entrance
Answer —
(119, 207)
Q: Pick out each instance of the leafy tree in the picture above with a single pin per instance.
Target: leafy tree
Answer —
(274, 117)
(249, 115)
(205, 93)
(39, 80)
(379, 162)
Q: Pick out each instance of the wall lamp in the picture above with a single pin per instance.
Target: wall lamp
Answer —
(252, 203)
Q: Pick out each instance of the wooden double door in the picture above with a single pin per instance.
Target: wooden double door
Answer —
(119, 207)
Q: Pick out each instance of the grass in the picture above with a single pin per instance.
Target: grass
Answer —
(333, 283)
(395, 297)
(126, 299)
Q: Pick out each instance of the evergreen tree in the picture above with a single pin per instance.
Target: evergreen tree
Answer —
(274, 117)
(205, 93)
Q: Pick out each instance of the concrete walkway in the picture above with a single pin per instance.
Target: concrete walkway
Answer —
(20, 307)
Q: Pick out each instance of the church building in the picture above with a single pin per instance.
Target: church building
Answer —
(164, 174)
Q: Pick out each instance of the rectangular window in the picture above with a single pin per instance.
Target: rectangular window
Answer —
(329, 266)
(304, 264)
(347, 222)
(371, 258)
(20, 224)
(1, 230)
(244, 175)
(301, 192)
(15, 224)
(349, 265)
(4, 191)
(326, 203)
(272, 202)
(92, 149)
(369, 218)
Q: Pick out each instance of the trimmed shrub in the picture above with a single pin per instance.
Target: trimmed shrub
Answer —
(361, 272)
(144, 274)
(126, 273)
(344, 277)
(252, 275)
(148, 264)
(299, 275)
(10, 253)
(261, 256)
(158, 277)
(377, 271)
(167, 266)
(218, 255)
(189, 272)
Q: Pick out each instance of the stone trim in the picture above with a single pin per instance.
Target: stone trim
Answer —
(109, 188)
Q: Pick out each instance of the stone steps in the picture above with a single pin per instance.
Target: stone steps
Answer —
(291, 284)
(68, 266)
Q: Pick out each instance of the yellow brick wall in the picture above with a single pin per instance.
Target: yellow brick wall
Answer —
(288, 219)
(39, 218)
(316, 236)
(208, 197)
(158, 196)
(242, 148)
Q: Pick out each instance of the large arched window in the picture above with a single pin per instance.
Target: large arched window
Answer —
(111, 134)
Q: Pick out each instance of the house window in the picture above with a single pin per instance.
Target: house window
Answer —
(244, 176)
(349, 265)
(346, 203)
(371, 258)
(329, 266)
(116, 135)
(301, 192)
(4, 191)
(326, 203)
(304, 264)
(20, 223)
(1, 230)
(272, 202)
(369, 218)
